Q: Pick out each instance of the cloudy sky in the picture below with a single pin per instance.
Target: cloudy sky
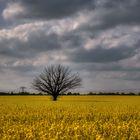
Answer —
(100, 39)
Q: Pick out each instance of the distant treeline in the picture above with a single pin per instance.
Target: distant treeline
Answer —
(20, 93)
(114, 93)
(71, 93)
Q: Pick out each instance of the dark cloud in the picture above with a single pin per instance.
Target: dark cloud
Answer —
(2, 6)
(102, 55)
(106, 67)
(125, 14)
(51, 9)
(37, 43)
(20, 69)
(111, 13)
(100, 39)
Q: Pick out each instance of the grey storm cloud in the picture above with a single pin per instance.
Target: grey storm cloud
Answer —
(2, 6)
(20, 69)
(51, 9)
(109, 67)
(124, 14)
(110, 12)
(92, 36)
(102, 55)
(15, 48)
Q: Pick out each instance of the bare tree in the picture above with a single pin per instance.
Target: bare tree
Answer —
(56, 80)
(22, 89)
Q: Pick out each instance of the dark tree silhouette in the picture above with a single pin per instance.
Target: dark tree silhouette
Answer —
(22, 89)
(56, 80)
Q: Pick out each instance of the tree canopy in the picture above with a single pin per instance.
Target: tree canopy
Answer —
(56, 80)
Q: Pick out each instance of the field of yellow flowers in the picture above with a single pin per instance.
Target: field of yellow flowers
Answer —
(70, 118)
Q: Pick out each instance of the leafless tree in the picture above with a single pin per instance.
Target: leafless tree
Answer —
(22, 89)
(56, 80)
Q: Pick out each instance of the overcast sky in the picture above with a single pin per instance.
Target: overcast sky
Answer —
(100, 39)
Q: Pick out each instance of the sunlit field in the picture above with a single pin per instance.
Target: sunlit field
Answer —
(70, 118)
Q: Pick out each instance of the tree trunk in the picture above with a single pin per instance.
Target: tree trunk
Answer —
(54, 98)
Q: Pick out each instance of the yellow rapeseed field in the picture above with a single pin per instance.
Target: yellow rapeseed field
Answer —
(70, 118)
